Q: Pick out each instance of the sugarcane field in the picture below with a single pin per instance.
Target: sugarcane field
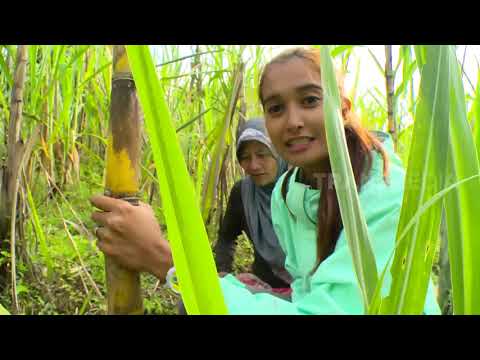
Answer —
(239, 180)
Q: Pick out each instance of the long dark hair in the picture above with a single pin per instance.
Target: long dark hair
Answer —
(360, 144)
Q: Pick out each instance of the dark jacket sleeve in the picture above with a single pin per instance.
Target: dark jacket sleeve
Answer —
(231, 227)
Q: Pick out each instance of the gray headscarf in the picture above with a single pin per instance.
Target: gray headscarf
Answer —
(256, 202)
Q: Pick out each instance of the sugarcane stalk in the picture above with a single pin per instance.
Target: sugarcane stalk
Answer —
(10, 172)
(123, 176)
(392, 127)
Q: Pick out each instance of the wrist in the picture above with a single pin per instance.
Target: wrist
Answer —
(163, 261)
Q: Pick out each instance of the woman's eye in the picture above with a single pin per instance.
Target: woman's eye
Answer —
(274, 109)
(311, 100)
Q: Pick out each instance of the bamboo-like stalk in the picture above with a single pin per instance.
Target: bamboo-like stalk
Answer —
(122, 177)
(392, 126)
(15, 154)
(15, 121)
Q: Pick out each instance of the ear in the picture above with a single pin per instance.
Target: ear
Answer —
(346, 106)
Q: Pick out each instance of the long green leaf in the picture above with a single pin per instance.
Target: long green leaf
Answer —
(40, 233)
(218, 156)
(462, 205)
(425, 177)
(191, 251)
(3, 311)
(6, 70)
(376, 301)
(354, 222)
(476, 115)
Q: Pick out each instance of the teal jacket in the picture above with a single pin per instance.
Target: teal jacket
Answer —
(333, 288)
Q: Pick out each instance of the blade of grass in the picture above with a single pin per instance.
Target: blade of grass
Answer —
(218, 155)
(44, 252)
(191, 251)
(376, 301)
(351, 212)
(462, 206)
(476, 115)
(5, 69)
(425, 177)
(3, 311)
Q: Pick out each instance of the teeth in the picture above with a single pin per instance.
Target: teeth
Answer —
(299, 141)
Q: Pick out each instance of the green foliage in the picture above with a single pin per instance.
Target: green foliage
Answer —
(425, 177)
(193, 259)
(461, 204)
(354, 222)
(3, 311)
(67, 96)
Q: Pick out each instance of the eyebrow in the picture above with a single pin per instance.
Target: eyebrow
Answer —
(303, 88)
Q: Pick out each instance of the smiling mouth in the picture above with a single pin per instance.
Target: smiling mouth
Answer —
(299, 144)
(300, 141)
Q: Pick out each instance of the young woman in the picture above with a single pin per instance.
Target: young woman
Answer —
(305, 210)
(248, 210)
(304, 205)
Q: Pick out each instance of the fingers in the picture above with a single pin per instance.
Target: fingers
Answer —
(104, 240)
(101, 218)
(106, 203)
(100, 233)
(106, 248)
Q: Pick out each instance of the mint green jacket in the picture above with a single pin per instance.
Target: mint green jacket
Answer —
(333, 288)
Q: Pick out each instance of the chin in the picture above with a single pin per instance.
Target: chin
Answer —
(261, 183)
(264, 182)
(308, 159)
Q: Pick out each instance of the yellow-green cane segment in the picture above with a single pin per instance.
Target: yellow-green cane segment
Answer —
(122, 177)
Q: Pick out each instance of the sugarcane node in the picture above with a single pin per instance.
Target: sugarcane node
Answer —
(118, 77)
(132, 199)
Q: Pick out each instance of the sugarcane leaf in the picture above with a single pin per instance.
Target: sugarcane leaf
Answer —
(352, 216)
(462, 206)
(191, 251)
(425, 177)
(337, 50)
(377, 62)
(377, 300)
(5, 69)
(44, 252)
(476, 115)
(3, 311)
(406, 78)
(218, 156)
(98, 71)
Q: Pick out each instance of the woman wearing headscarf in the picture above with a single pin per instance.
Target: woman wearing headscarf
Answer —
(248, 210)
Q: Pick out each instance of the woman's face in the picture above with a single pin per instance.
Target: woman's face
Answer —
(257, 161)
(293, 109)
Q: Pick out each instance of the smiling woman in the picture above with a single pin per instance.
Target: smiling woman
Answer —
(287, 91)
(305, 209)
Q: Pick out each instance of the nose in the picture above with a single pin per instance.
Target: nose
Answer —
(294, 118)
(254, 165)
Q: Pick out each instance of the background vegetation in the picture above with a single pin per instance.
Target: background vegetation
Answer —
(49, 263)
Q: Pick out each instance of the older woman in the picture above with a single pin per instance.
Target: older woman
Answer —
(248, 210)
